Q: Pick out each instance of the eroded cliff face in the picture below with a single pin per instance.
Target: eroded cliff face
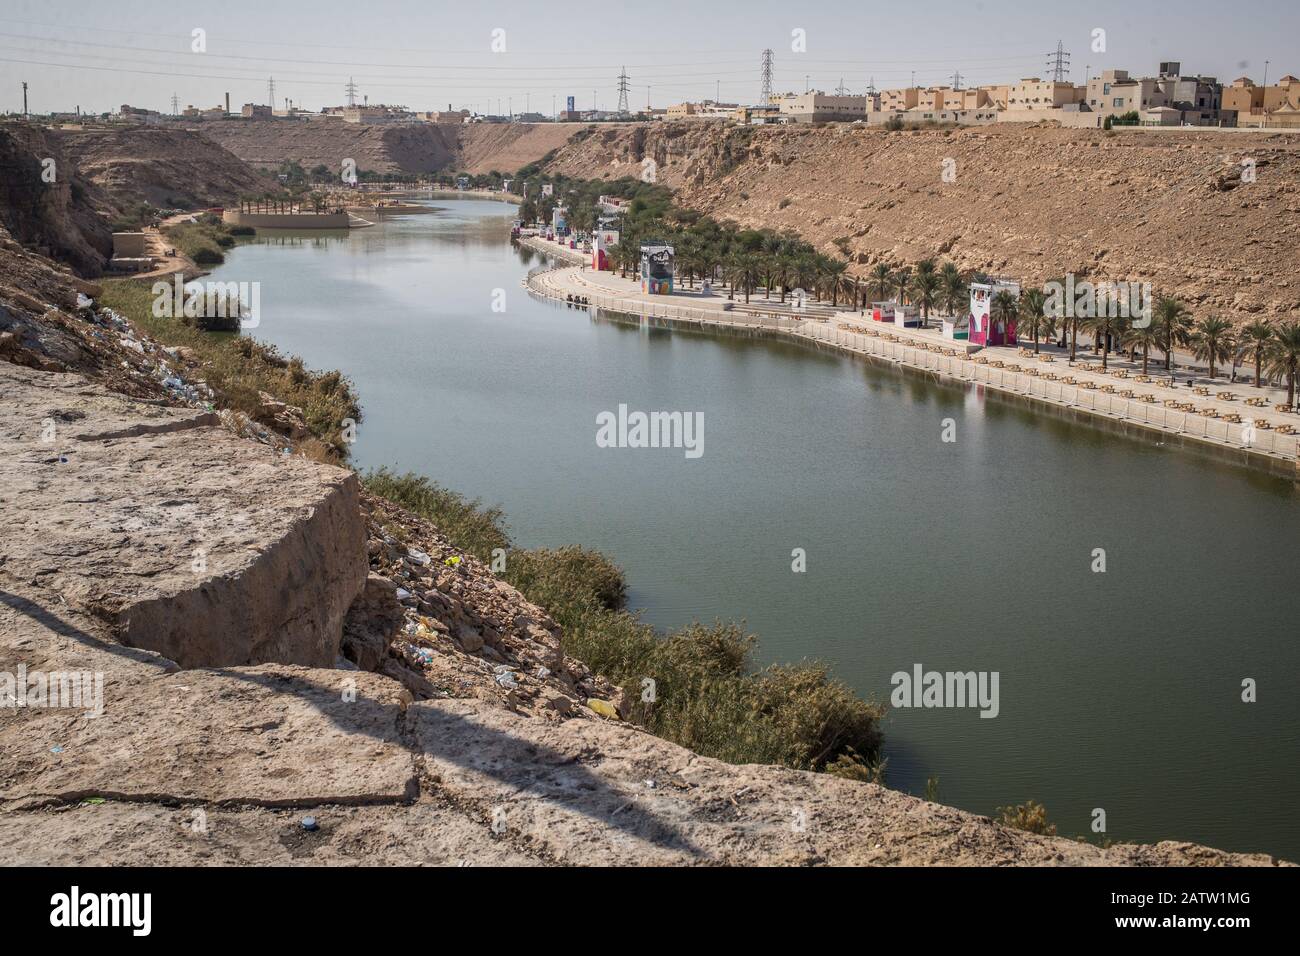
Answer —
(414, 148)
(46, 204)
(167, 168)
(1034, 202)
(384, 149)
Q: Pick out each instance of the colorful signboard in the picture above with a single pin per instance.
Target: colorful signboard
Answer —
(656, 268)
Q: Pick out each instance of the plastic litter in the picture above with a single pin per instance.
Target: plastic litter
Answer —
(309, 824)
(602, 707)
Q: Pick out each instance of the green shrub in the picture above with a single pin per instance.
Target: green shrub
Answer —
(707, 694)
(238, 367)
(1029, 816)
(206, 256)
(466, 522)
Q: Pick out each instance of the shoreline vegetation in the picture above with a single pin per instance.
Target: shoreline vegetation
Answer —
(706, 693)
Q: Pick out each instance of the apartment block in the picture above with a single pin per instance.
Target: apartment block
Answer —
(893, 101)
(823, 108)
(1037, 94)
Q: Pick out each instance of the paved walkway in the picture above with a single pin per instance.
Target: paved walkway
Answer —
(1225, 414)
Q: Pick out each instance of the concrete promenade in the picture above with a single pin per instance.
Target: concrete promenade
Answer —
(1212, 416)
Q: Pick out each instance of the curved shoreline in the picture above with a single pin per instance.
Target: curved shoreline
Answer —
(1274, 453)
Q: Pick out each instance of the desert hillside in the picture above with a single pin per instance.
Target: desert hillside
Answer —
(163, 167)
(424, 148)
(488, 146)
(1028, 201)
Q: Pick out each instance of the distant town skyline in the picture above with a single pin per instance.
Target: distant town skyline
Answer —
(435, 55)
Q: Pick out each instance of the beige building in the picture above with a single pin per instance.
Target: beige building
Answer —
(919, 115)
(823, 108)
(1037, 94)
(997, 95)
(893, 101)
(1115, 93)
(1262, 105)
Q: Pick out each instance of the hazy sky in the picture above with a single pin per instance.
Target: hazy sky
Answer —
(426, 55)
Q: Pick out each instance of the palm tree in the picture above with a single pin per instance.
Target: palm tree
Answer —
(836, 269)
(1212, 340)
(1104, 328)
(881, 281)
(1144, 338)
(769, 266)
(1284, 356)
(783, 270)
(902, 284)
(954, 292)
(1255, 338)
(925, 289)
(1173, 320)
(804, 273)
(1003, 308)
(745, 271)
(1032, 315)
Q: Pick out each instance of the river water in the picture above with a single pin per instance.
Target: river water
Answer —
(1119, 690)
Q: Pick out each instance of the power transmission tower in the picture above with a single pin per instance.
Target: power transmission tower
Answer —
(840, 90)
(765, 98)
(871, 86)
(176, 106)
(956, 80)
(270, 91)
(24, 99)
(622, 92)
(351, 90)
(1059, 63)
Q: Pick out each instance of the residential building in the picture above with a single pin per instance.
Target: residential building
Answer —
(256, 111)
(1249, 105)
(819, 107)
(1115, 93)
(1034, 94)
(893, 101)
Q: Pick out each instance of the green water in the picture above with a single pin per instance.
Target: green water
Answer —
(1119, 690)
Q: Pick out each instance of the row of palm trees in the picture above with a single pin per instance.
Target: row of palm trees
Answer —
(779, 264)
(1270, 346)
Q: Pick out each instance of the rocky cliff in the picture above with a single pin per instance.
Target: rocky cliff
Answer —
(46, 204)
(420, 148)
(1209, 216)
(167, 168)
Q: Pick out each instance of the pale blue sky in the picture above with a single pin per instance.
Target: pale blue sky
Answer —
(427, 55)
